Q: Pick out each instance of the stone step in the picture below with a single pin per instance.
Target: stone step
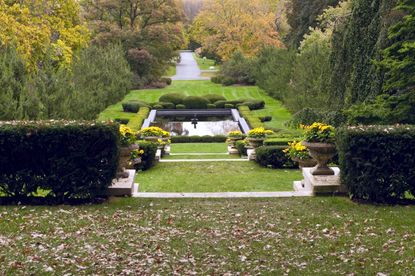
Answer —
(123, 186)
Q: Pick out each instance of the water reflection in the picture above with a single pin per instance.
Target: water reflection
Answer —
(186, 128)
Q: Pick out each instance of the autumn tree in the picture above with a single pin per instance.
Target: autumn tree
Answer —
(151, 27)
(226, 26)
(36, 27)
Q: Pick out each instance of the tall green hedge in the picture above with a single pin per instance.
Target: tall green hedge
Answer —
(378, 162)
(64, 160)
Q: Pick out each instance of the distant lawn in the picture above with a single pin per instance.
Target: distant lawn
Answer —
(210, 156)
(215, 177)
(205, 64)
(273, 107)
(199, 148)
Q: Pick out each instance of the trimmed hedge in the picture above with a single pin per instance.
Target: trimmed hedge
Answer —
(212, 98)
(180, 106)
(195, 102)
(229, 106)
(67, 160)
(241, 147)
(175, 98)
(264, 119)
(254, 104)
(378, 162)
(167, 105)
(137, 121)
(122, 121)
(252, 120)
(277, 142)
(167, 81)
(199, 139)
(211, 106)
(149, 156)
(134, 106)
(274, 157)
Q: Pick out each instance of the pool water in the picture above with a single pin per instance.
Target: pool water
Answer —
(188, 128)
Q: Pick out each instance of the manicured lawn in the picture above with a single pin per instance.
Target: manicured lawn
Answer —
(215, 177)
(199, 148)
(200, 156)
(273, 107)
(205, 64)
(296, 236)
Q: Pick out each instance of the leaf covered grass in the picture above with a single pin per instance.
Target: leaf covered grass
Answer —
(280, 115)
(215, 177)
(296, 236)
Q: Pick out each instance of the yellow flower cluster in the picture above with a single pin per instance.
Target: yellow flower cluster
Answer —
(154, 131)
(259, 132)
(319, 133)
(236, 133)
(296, 150)
(318, 127)
(126, 131)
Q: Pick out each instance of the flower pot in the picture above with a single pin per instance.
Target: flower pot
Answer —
(232, 141)
(322, 153)
(256, 142)
(305, 163)
(124, 160)
(153, 139)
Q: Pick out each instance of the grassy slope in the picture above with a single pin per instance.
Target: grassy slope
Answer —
(273, 107)
(215, 177)
(297, 236)
(205, 64)
(199, 148)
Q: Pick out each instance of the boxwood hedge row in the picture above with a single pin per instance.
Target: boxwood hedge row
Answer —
(378, 162)
(59, 159)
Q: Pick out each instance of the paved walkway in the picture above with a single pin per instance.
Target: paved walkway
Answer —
(187, 69)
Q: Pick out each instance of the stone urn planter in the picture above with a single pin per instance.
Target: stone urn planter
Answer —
(322, 153)
(305, 163)
(232, 141)
(256, 142)
(153, 139)
(124, 160)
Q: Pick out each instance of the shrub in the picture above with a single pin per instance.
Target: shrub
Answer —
(217, 79)
(158, 84)
(306, 116)
(134, 106)
(167, 81)
(251, 119)
(221, 104)
(228, 81)
(254, 104)
(212, 98)
(378, 162)
(229, 106)
(180, 106)
(149, 156)
(238, 70)
(241, 147)
(274, 157)
(199, 139)
(277, 141)
(67, 160)
(167, 105)
(136, 122)
(175, 98)
(195, 102)
(121, 121)
(211, 106)
(158, 106)
(265, 119)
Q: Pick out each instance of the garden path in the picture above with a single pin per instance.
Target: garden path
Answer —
(187, 69)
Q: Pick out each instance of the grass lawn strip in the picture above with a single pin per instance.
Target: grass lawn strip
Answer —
(199, 147)
(203, 156)
(205, 64)
(300, 236)
(215, 177)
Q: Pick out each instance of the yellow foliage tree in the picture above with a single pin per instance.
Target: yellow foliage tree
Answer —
(38, 28)
(226, 26)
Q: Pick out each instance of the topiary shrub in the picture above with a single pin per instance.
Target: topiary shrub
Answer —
(265, 118)
(278, 141)
(167, 105)
(250, 118)
(122, 121)
(175, 98)
(167, 81)
(211, 106)
(133, 106)
(67, 160)
(180, 106)
(212, 98)
(274, 157)
(195, 102)
(228, 81)
(217, 79)
(149, 156)
(378, 162)
(254, 104)
(241, 147)
(158, 106)
(229, 105)
(137, 121)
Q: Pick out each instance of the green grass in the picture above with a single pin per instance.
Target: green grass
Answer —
(273, 107)
(213, 156)
(205, 64)
(199, 148)
(215, 177)
(296, 236)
